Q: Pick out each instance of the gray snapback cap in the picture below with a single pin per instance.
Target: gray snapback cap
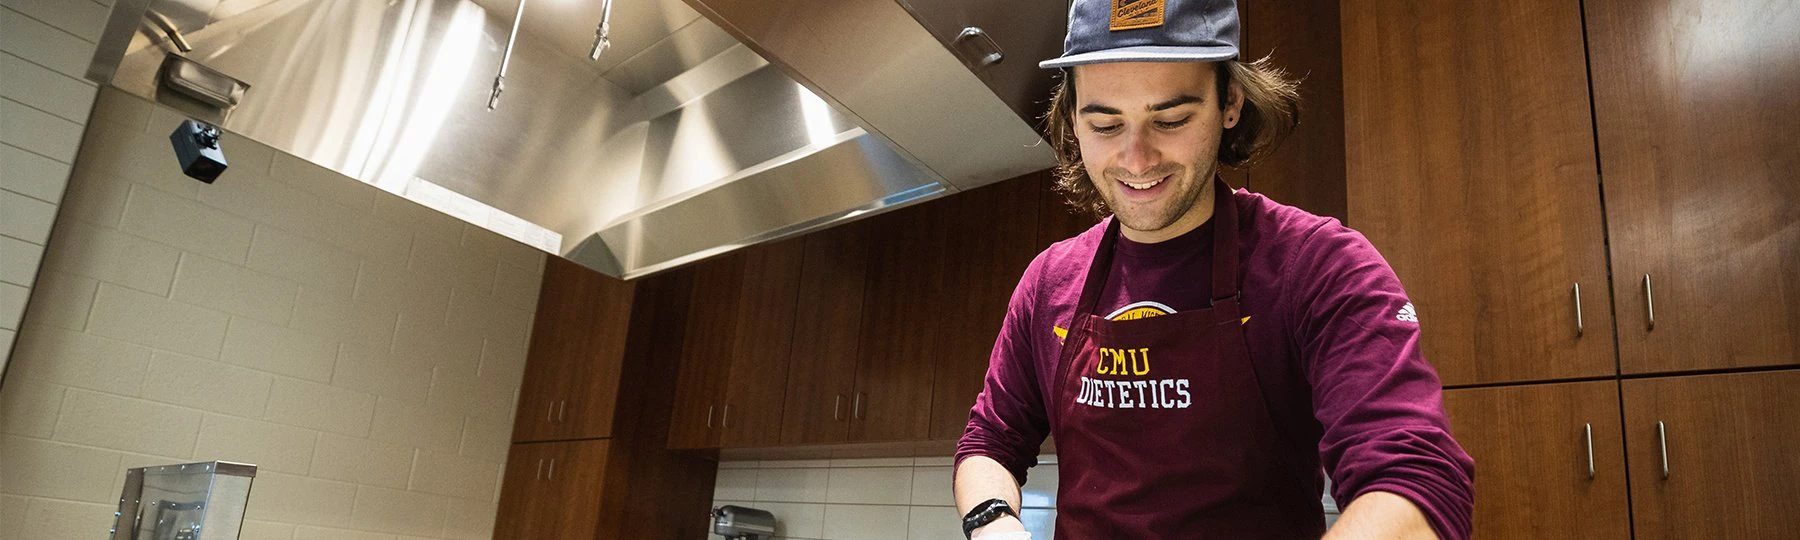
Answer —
(1149, 31)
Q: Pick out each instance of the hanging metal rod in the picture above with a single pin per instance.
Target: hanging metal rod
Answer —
(603, 33)
(506, 57)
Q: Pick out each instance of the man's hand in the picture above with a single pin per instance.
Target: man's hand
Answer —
(1379, 514)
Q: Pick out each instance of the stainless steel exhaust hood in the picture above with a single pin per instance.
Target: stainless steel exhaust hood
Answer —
(680, 143)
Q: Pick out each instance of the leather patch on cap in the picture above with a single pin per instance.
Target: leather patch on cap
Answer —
(1135, 14)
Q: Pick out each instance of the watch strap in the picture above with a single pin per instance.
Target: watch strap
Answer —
(986, 513)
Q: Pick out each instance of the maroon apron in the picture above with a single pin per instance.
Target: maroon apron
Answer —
(1161, 427)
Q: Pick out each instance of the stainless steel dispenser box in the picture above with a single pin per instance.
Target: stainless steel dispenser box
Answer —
(740, 523)
(193, 501)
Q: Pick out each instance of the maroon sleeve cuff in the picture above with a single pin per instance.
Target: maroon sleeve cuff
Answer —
(1447, 508)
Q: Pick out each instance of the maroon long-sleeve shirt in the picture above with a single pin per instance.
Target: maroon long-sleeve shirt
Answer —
(1331, 334)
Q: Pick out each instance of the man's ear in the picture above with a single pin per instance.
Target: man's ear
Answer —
(1234, 105)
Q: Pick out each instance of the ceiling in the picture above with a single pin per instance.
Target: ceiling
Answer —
(652, 40)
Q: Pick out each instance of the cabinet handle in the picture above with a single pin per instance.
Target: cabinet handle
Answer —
(857, 410)
(1662, 441)
(1589, 430)
(552, 469)
(1649, 303)
(709, 411)
(1579, 327)
(837, 408)
(540, 469)
(562, 406)
(725, 417)
(550, 412)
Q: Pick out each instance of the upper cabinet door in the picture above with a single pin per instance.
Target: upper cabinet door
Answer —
(1470, 162)
(1714, 456)
(892, 401)
(993, 232)
(1549, 461)
(1696, 110)
(585, 410)
(761, 342)
(822, 366)
(1302, 37)
(706, 352)
(577, 349)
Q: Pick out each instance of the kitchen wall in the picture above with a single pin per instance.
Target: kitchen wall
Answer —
(45, 46)
(363, 350)
(881, 498)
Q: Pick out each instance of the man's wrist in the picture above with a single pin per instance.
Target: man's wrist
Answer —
(1003, 525)
(987, 513)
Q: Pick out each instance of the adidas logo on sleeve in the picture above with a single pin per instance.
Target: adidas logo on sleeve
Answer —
(1408, 314)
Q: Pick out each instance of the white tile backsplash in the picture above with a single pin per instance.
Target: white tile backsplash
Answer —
(880, 498)
(870, 485)
(867, 498)
(797, 485)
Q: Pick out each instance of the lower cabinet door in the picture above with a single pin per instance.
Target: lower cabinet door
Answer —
(1549, 462)
(1715, 456)
(521, 493)
(552, 490)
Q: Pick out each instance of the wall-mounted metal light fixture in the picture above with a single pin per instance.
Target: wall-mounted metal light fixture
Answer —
(194, 80)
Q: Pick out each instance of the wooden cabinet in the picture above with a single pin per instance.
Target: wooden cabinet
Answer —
(1470, 163)
(822, 367)
(577, 344)
(1696, 112)
(626, 484)
(521, 505)
(733, 369)
(894, 355)
(990, 239)
(1306, 171)
(1714, 456)
(876, 331)
(706, 352)
(553, 490)
(1533, 448)
(758, 376)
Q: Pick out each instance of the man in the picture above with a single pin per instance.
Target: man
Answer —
(1204, 356)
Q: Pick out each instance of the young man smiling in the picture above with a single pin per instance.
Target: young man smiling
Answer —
(1203, 356)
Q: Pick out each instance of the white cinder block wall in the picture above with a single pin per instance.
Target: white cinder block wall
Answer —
(45, 46)
(870, 499)
(363, 350)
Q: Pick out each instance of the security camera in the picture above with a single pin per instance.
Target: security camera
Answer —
(197, 150)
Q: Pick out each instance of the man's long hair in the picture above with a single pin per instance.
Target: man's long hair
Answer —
(1270, 113)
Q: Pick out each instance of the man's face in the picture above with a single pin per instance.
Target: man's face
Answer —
(1149, 135)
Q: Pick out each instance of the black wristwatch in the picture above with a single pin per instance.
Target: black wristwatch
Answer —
(986, 513)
